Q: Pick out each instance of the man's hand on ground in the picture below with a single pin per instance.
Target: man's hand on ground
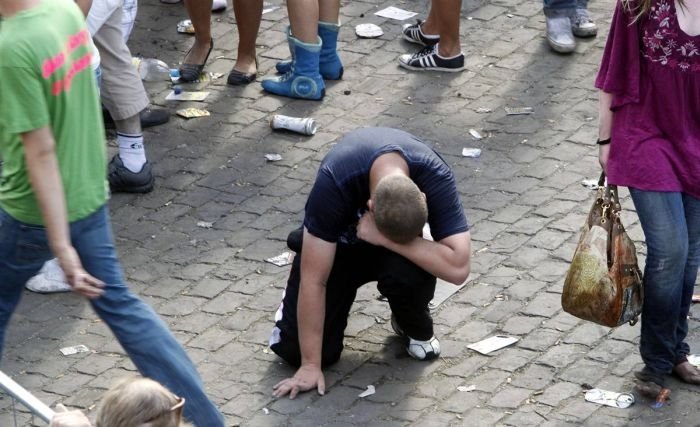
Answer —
(80, 280)
(306, 378)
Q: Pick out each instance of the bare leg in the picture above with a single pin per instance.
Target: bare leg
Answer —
(248, 14)
(329, 11)
(447, 13)
(303, 18)
(200, 14)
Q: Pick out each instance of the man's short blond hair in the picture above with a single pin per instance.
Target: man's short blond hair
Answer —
(400, 210)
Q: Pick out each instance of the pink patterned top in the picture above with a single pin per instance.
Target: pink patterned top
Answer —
(652, 68)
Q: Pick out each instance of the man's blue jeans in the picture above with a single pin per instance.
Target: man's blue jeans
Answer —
(144, 336)
(671, 224)
(562, 5)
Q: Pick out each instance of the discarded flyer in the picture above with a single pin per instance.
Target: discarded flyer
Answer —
(266, 411)
(471, 152)
(591, 184)
(370, 391)
(302, 125)
(610, 398)
(694, 359)
(190, 113)
(482, 110)
(205, 224)
(475, 133)
(186, 96)
(285, 258)
(466, 388)
(67, 351)
(273, 157)
(392, 12)
(443, 291)
(517, 111)
(368, 31)
(492, 344)
(185, 27)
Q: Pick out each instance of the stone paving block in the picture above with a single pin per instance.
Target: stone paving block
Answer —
(489, 380)
(511, 359)
(562, 355)
(562, 322)
(473, 331)
(559, 392)
(587, 334)
(584, 371)
(610, 350)
(510, 397)
(482, 417)
(540, 339)
(544, 304)
(534, 377)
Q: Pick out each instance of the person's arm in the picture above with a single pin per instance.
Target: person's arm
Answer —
(84, 6)
(42, 165)
(448, 259)
(605, 120)
(317, 257)
(65, 418)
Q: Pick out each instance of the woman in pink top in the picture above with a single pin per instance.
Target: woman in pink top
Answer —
(649, 132)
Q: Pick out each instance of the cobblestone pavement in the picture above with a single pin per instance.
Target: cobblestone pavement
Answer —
(523, 196)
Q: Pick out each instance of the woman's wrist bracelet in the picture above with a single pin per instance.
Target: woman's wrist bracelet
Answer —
(603, 141)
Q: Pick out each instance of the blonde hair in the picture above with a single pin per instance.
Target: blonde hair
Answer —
(139, 402)
(400, 210)
(640, 8)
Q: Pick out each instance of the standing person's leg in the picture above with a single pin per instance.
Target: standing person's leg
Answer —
(582, 24)
(199, 12)
(447, 13)
(409, 289)
(143, 335)
(124, 97)
(663, 221)
(23, 250)
(248, 15)
(303, 80)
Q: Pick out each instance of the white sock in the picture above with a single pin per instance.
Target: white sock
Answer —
(437, 52)
(131, 151)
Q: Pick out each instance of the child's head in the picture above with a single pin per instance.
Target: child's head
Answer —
(140, 402)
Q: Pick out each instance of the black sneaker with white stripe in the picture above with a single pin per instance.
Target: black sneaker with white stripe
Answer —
(427, 59)
(414, 34)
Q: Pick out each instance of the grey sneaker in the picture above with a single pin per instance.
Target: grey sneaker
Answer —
(582, 25)
(419, 350)
(414, 34)
(123, 180)
(559, 33)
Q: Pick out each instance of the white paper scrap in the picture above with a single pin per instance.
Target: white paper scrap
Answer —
(492, 344)
(273, 157)
(370, 391)
(368, 31)
(205, 224)
(475, 133)
(67, 351)
(694, 359)
(466, 388)
(392, 12)
(471, 152)
(591, 184)
(285, 258)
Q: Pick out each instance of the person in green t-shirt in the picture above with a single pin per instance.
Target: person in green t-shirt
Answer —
(53, 190)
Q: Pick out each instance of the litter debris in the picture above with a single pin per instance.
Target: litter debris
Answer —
(443, 290)
(609, 398)
(273, 157)
(696, 298)
(492, 344)
(285, 258)
(269, 8)
(661, 398)
(694, 359)
(370, 391)
(302, 125)
(466, 388)
(471, 152)
(591, 184)
(205, 224)
(266, 411)
(516, 111)
(368, 31)
(482, 110)
(392, 12)
(187, 96)
(218, 6)
(475, 133)
(189, 113)
(185, 27)
(67, 351)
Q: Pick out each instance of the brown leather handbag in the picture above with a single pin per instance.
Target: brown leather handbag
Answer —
(604, 283)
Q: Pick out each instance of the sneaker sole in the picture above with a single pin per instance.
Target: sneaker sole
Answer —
(561, 48)
(585, 33)
(141, 189)
(447, 70)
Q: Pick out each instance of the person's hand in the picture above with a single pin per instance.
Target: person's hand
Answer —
(66, 418)
(79, 279)
(306, 378)
(367, 230)
(603, 154)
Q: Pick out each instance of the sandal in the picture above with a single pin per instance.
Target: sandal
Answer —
(191, 72)
(238, 78)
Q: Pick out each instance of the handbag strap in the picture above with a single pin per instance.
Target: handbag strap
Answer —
(610, 192)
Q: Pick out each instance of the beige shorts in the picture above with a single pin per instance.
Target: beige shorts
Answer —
(122, 91)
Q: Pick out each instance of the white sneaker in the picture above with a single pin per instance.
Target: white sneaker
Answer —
(419, 350)
(49, 280)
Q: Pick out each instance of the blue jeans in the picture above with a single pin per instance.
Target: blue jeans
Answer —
(144, 336)
(552, 5)
(671, 224)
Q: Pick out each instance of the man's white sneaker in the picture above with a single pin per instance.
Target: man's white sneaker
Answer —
(419, 350)
(49, 280)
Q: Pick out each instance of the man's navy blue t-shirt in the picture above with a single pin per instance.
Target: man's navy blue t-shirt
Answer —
(341, 191)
